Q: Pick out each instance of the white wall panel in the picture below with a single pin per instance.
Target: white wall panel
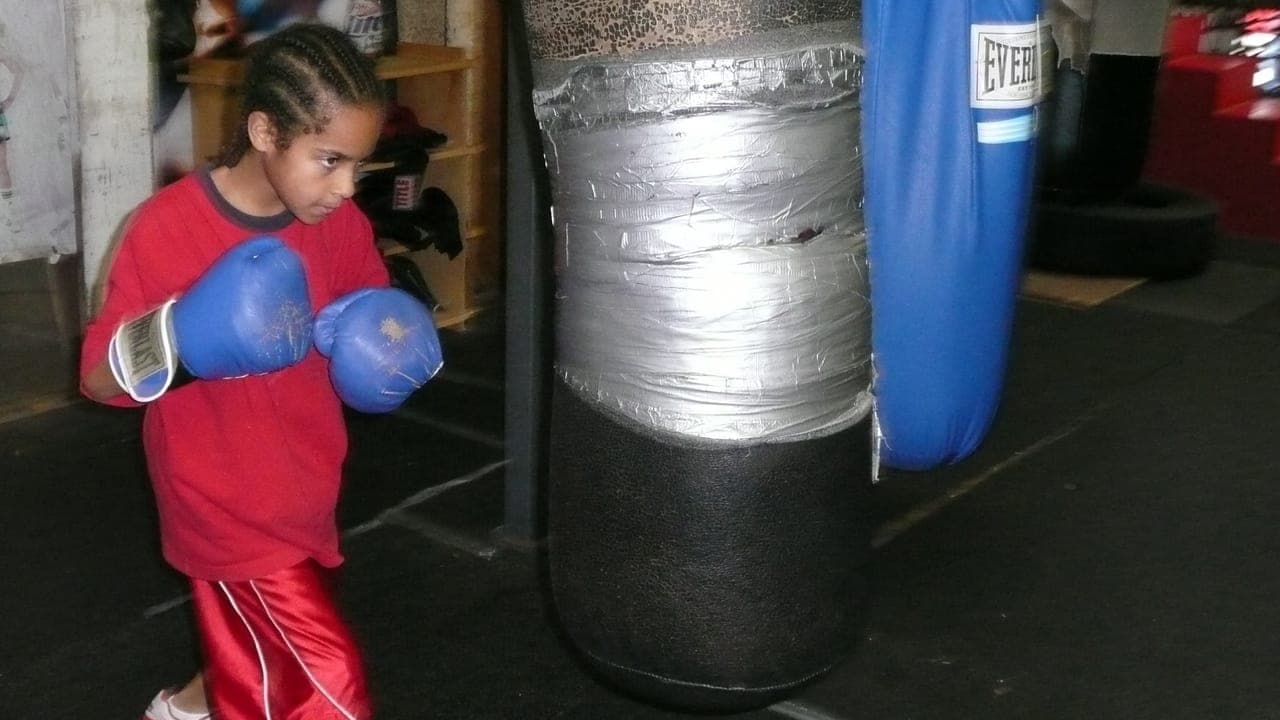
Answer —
(37, 206)
(1129, 27)
(113, 81)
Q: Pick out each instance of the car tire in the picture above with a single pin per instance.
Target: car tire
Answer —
(1149, 231)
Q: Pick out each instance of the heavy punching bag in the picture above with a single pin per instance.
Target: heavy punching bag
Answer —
(1097, 122)
(949, 154)
(1096, 212)
(709, 458)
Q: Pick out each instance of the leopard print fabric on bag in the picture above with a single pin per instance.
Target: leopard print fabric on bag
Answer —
(563, 29)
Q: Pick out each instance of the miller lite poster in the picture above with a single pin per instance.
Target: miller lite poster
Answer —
(1008, 66)
(37, 133)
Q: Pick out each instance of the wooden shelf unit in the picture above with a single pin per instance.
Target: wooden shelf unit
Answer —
(451, 91)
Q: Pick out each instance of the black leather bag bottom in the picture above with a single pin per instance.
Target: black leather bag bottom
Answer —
(706, 577)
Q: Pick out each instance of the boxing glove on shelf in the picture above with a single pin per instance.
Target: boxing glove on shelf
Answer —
(382, 345)
(248, 314)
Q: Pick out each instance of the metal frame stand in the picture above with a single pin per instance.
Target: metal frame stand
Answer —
(528, 345)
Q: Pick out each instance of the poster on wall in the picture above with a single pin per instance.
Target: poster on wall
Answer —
(190, 29)
(37, 133)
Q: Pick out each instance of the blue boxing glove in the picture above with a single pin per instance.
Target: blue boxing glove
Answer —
(249, 314)
(381, 344)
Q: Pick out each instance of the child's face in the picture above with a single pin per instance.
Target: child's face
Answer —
(318, 170)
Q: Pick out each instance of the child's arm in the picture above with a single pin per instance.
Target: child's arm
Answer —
(124, 295)
(99, 384)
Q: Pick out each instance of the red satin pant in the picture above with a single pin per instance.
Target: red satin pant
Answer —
(276, 649)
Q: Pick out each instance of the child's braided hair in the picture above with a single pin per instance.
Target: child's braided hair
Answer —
(293, 75)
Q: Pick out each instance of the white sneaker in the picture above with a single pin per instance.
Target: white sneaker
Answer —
(161, 709)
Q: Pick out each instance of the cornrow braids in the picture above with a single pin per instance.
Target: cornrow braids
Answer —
(293, 75)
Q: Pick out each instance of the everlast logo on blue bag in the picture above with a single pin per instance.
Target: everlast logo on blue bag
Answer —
(1007, 66)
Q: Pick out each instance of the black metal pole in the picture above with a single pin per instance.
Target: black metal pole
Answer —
(527, 285)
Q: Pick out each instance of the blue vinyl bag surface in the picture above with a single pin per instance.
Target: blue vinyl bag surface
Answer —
(949, 118)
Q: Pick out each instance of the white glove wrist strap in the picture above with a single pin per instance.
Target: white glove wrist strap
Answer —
(143, 354)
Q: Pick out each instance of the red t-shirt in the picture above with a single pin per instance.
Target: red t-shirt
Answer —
(246, 471)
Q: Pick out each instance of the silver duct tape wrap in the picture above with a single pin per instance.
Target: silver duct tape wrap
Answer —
(710, 251)
(661, 191)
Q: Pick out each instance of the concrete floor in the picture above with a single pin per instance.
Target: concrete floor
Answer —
(1109, 551)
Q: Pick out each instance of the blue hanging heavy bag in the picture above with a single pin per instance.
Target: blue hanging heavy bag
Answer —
(949, 122)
